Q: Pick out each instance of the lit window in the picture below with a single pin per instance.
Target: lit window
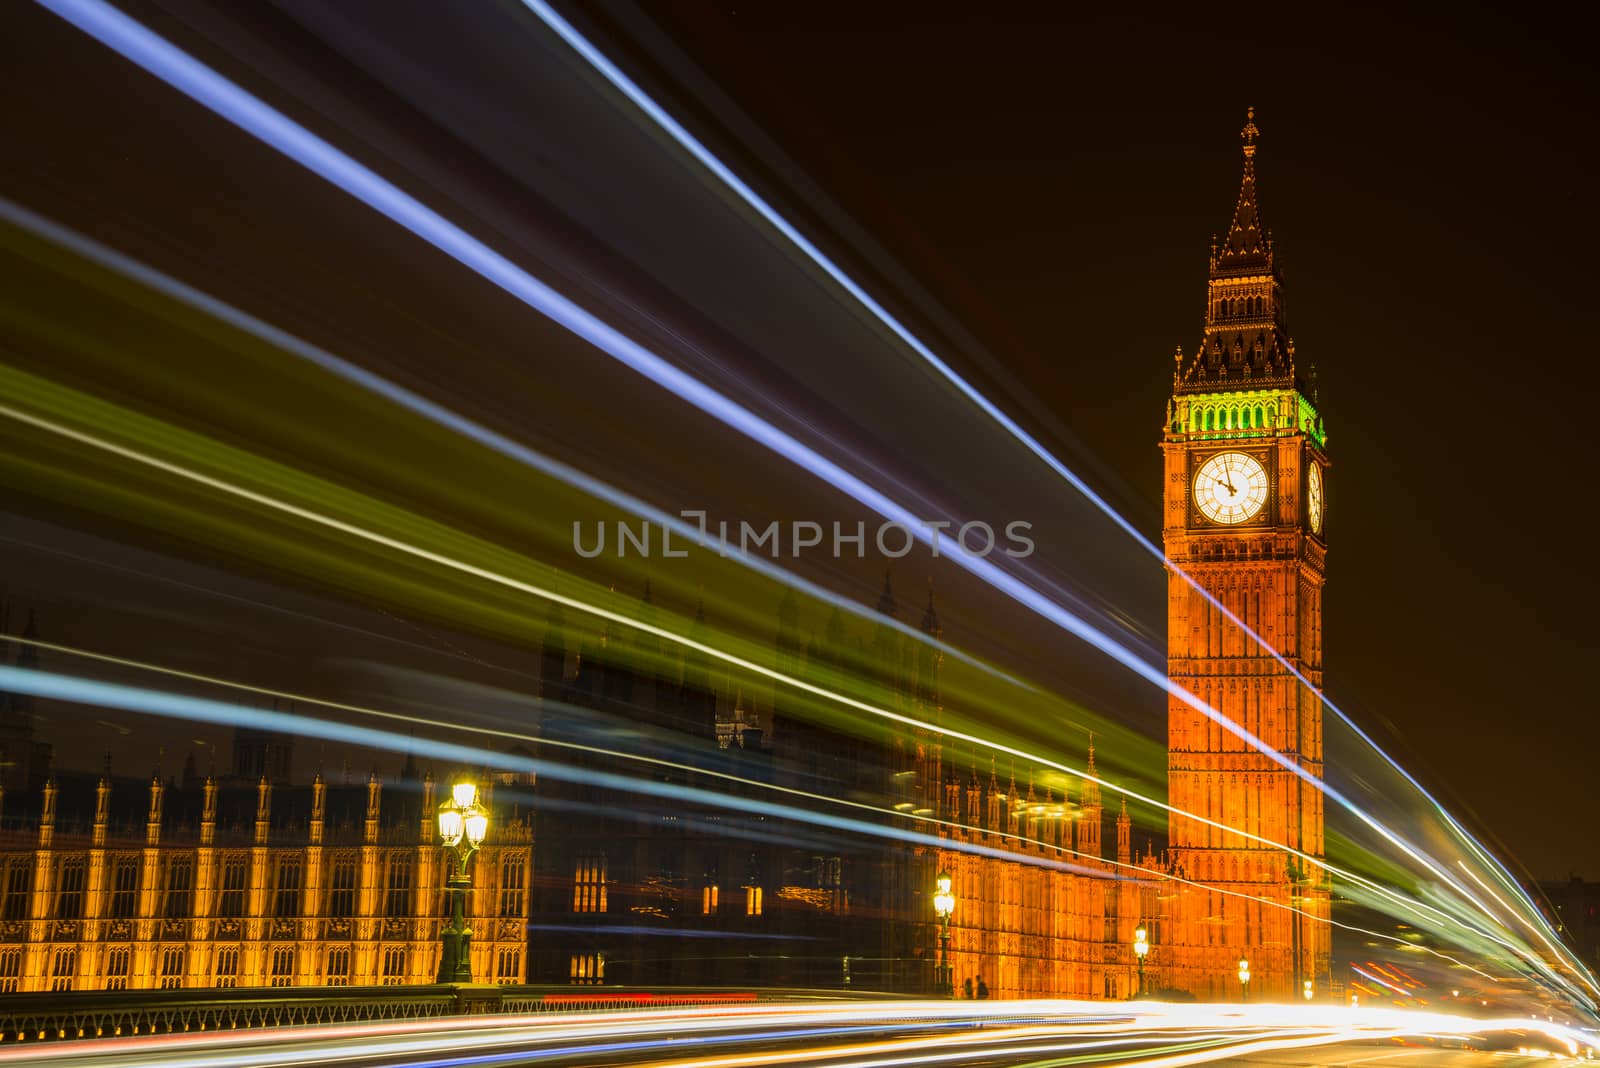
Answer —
(117, 968)
(710, 899)
(62, 969)
(171, 967)
(338, 972)
(286, 886)
(124, 887)
(228, 967)
(18, 888)
(178, 887)
(70, 879)
(752, 901)
(394, 965)
(508, 966)
(10, 969)
(589, 884)
(282, 966)
(235, 873)
(588, 969)
(342, 886)
(397, 899)
(513, 879)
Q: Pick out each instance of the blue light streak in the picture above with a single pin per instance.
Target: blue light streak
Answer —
(60, 687)
(194, 79)
(686, 140)
(186, 74)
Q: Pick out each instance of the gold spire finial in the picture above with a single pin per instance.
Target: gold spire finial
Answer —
(1249, 133)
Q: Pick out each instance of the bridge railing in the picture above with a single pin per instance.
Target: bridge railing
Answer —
(43, 1017)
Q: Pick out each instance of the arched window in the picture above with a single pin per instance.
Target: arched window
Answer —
(1260, 417)
(1208, 420)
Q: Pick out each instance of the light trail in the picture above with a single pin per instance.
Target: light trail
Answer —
(55, 686)
(1149, 1034)
(282, 340)
(158, 56)
(1381, 982)
(692, 145)
(164, 60)
(19, 388)
(1134, 872)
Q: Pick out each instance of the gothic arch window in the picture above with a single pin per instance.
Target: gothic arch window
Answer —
(1260, 417)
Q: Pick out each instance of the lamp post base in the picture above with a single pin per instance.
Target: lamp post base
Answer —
(455, 955)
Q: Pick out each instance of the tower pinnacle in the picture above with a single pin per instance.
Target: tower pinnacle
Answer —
(1246, 344)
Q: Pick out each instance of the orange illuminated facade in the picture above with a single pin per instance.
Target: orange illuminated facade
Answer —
(1244, 480)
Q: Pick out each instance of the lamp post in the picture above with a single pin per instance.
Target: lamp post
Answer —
(462, 825)
(1141, 946)
(944, 903)
(1244, 979)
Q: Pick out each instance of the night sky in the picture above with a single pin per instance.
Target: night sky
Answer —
(1055, 179)
(1043, 180)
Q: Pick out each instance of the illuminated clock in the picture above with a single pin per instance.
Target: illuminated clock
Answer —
(1230, 487)
(1314, 497)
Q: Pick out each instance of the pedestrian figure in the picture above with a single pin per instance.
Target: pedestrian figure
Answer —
(983, 990)
(966, 987)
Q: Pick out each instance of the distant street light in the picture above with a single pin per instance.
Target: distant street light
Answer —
(463, 823)
(1305, 988)
(944, 903)
(1141, 946)
(1244, 979)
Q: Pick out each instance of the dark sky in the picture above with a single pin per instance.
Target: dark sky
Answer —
(1053, 174)
(1051, 177)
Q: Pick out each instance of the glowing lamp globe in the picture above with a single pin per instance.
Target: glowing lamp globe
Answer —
(450, 827)
(477, 825)
(464, 794)
(944, 902)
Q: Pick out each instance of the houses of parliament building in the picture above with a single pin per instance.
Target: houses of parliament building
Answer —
(246, 878)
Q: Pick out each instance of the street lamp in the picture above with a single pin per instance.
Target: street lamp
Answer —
(462, 825)
(1141, 946)
(1244, 979)
(944, 903)
(1305, 988)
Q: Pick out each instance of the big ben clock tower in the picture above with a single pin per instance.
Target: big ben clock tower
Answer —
(1245, 496)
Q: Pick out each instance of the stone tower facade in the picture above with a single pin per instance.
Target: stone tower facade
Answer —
(1245, 474)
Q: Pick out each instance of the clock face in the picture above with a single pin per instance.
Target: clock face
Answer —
(1314, 497)
(1230, 487)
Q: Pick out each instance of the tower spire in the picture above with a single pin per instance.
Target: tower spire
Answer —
(1246, 249)
(1246, 344)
